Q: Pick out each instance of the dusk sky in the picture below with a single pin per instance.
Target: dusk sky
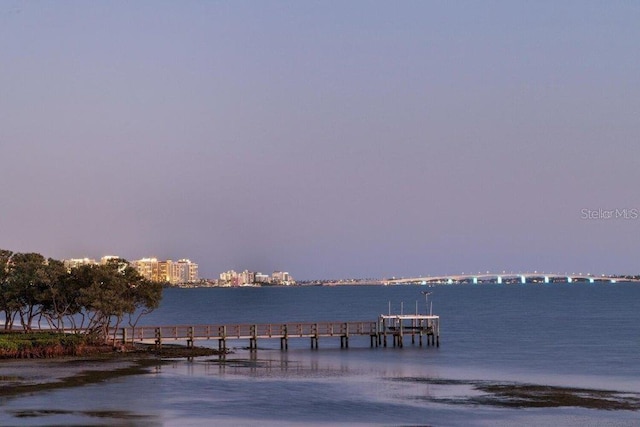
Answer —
(329, 139)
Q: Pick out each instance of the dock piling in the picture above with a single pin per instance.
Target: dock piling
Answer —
(190, 337)
(158, 338)
(393, 327)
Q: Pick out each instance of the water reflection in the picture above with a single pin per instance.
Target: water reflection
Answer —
(358, 386)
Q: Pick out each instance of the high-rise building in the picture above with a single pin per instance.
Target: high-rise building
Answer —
(247, 277)
(105, 259)
(185, 271)
(229, 278)
(148, 268)
(176, 272)
(263, 278)
(280, 277)
(165, 271)
(168, 271)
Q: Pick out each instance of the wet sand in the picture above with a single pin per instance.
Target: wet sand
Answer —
(19, 376)
(32, 376)
(521, 395)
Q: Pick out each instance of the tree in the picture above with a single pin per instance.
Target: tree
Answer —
(60, 300)
(89, 299)
(7, 305)
(101, 290)
(111, 291)
(26, 285)
(145, 295)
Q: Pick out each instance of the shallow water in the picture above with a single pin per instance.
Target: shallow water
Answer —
(563, 335)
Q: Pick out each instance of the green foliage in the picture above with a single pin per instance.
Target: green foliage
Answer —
(22, 341)
(91, 298)
(27, 278)
(40, 344)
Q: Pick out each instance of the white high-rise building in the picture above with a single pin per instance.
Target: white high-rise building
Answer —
(184, 271)
(174, 272)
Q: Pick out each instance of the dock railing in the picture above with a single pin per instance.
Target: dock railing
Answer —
(395, 326)
(246, 331)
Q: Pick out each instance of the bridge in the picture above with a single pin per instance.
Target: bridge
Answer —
(508, 278)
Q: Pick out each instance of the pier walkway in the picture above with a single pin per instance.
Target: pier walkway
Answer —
(394, 327)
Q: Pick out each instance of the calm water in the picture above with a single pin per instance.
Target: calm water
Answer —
(576, 335)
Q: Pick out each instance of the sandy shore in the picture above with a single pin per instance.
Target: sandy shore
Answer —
(18, 376)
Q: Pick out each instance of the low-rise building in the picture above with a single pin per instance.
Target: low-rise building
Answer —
(77, 262)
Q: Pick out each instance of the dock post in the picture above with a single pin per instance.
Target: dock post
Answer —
(158, 338)
(253, 341)
(413, 329)
(190, 337)
(314, 337)
(346, 337)
(284, 342)
(438, 341)
(384, 331)
(397, 339)
(222, 341)
(344, 341)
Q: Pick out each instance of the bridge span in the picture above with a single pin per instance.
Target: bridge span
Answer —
(508, 278)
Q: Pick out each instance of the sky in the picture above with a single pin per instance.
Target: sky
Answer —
(329, 139)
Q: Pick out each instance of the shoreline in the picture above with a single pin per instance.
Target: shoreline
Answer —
(23, 376)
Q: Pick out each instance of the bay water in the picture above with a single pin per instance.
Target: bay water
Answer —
(563, 335)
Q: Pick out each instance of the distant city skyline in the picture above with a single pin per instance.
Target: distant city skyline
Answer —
(151, 268)
(329, 139)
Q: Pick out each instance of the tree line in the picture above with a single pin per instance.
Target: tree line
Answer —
(90, 299)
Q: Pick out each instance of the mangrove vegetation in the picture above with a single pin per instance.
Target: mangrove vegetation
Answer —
(37, 293)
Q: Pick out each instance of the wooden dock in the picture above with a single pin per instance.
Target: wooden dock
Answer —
(396, 327)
